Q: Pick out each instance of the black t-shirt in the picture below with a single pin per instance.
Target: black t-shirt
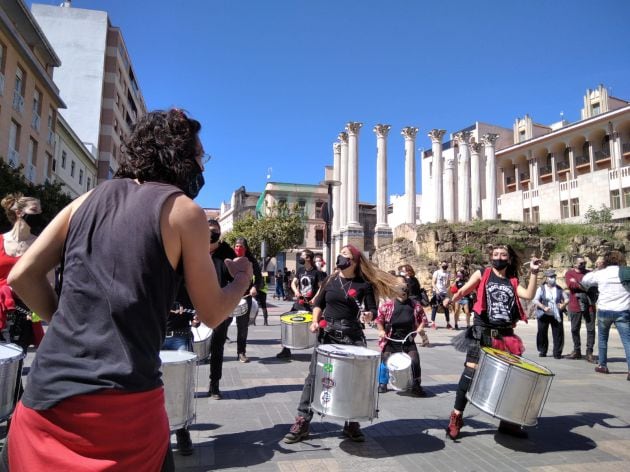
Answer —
(402, 320)
(180, 322)
(309, 281)
(337, 302)
(413, 286)
(501, 309)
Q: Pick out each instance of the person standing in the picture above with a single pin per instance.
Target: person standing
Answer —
(440, 284)
(356, 282)
(241, 248)
(305, 286)
(464, 303)
(496, 312)
(396, 319)
(613, 306)
(279, 278)
(550, 302)
(580, 309)
(95, 381)
(219, 251)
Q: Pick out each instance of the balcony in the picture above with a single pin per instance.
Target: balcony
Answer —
(1, 84)
(625, 149)
(35, 121)
(18, 102)
(545, 171)
(582, 161)
(14, 158)
(524, 177)
(562, 166)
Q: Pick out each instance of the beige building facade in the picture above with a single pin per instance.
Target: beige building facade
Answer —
(29, 99)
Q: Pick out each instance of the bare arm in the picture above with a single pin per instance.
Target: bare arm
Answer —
(294, 286)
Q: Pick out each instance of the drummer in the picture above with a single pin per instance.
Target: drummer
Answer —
(496, 312)
(338, 302)
(396, 319)
(179, 338)
(305, 286)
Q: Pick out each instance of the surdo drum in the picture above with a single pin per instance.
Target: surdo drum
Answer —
(509, 387)
(201, 341)
(178, 374)
(399, 367)
(346, 382)
(295, 333)
(11, 356)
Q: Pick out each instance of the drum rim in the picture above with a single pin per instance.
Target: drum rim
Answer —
(404, 354)
(306, 320)
(348, 355)
(547, 372)
(179, 361)
(19, 353)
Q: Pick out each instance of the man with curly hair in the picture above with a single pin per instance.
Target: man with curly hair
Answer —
(124, 248)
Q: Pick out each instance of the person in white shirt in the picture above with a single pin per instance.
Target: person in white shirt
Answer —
(613, 306)
(440, 284)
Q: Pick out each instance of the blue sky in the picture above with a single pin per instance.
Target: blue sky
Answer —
(274, 81)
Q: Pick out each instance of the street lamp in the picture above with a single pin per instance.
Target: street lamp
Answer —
(327, 216)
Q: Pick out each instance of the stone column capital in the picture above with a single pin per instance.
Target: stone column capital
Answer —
(409, 132)
(337, 148)
(490, 139)
(343, 138)
(476, 147)
(436, 135)
(353, 127)
(381, 130)
(463, 137)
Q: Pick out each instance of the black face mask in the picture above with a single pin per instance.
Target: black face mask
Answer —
(301, 260)
(500, 264)
(36, 222)
(444, 267)
(343, 262)
(195, 183)
(581, 267)
(214, 236)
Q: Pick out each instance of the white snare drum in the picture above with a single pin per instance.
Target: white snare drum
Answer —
(253, 311)
(10, 370)
(201, 341)
(295, 333)
(509, 387)
(346, 382)
(241, 309)
(399, 367)
(178, 374)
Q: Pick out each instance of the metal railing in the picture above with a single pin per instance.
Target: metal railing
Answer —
(581, 160)
(544, 170)
(562, 165)
(601, 155)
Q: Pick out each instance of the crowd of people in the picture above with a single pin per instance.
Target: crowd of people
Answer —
(109, 316)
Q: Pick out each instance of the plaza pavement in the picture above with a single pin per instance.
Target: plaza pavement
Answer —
(585, 424)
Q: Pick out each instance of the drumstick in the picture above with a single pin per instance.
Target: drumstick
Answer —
(401, 340)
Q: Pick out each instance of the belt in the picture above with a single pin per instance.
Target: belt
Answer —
(498, 333)
(181, 332)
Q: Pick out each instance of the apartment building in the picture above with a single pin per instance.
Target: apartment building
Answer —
(29, 99)
(96, 79)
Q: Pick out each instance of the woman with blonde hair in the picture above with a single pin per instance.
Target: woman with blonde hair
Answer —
(346, 299)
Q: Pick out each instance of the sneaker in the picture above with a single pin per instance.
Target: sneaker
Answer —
(353, 431)
(448, 326)
(433, 325)
(214, 392)
(602, 369)
(417, 391)
(512, 429)
(574, 355)
(382, 388)
(590, 358)
(455, 425)
(184, 444)
(284, 354)
(298, 431)
(542, 354)
(243, 358)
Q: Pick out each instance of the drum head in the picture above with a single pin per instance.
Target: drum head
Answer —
(241, 308)
(10, 353)
(173, 357)
(399, 361)
(343, 350)
(516, 361)
(201, 333)
(294, 318)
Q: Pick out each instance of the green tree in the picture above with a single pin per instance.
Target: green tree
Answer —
(593, 216)
(282, 228)
(51, 195)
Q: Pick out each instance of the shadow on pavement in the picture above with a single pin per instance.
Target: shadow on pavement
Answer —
(306, 357)
(256, 392)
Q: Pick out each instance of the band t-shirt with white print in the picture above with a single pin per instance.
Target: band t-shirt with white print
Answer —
(501, 308)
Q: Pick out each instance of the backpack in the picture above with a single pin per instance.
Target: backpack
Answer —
(624, 277)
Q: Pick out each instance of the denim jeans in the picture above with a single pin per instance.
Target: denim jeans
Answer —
(178, 343)
(605, 319)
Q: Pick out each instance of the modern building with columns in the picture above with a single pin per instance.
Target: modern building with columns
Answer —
(532, 172)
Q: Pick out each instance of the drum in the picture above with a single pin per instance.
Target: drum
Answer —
(294, 330)
(346, 382)
(178, 375)
(399, 367)
(253, 311)
(241, 308)
(11, 356)
(509, 387)
(201, 341)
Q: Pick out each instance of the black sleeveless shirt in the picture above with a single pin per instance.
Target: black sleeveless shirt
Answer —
(118, 287)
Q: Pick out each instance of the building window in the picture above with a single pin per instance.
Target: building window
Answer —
(18, 91)
(575, 207)
(54, 165)
(63, 159)
(615, 201)
(80, 176)
(319, 238)
(50, 162)
(564, 209)
(37, 109)
(72, 167)
(596, 108)
(521, 136)
(3, 50)
(31, 160)
(14, 144)
(535, 214)
(318, 210)
(302, 206)
(626, 197)
(526, 216)
(89, 183)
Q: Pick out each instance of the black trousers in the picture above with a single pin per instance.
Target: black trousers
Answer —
(217, 345)
(542, 336)
(589, 322)
(242, 328)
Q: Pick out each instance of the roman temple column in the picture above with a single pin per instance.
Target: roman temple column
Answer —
(475, 180)
(382, 231)
(489, 141)
(409, 134)
(436, 136)
(354, 233)
(463, 176)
